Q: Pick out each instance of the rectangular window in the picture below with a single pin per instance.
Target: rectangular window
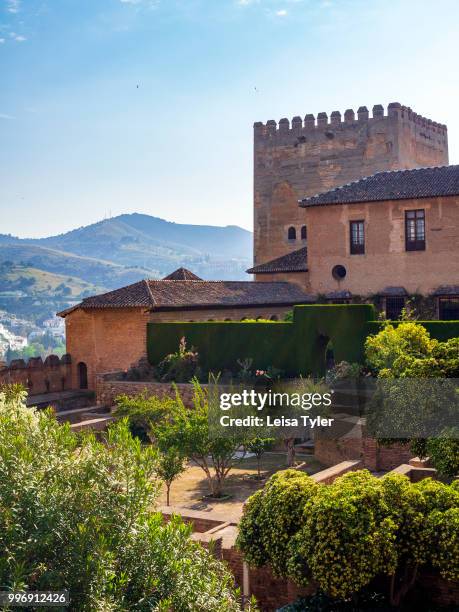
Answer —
(394, 307)
(415, 230)
(448, 309)
(357, 232)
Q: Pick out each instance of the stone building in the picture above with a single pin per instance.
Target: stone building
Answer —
(108, 332)
(376, 230)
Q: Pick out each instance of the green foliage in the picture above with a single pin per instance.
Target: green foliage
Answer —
(190, 431)
(293, 347)
(181, 366)
(444, 452)
(346, 534)
(408, 351)
(76, 514)
(258, 446)
(170, 464)
(272, 517)
(145, 412)
(320, 602)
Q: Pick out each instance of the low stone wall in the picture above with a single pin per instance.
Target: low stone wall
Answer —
(50, 376)
(109, 387)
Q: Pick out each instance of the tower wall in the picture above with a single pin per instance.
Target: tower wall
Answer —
(296, 159)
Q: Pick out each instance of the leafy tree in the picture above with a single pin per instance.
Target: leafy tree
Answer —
(191, 431)
(346, 534)
(258, 446)
(145, 413)
(408, 352)
(76, 514)
(272, 516)
(170, 465)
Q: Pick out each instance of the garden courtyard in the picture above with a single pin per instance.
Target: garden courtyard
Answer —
(191, 490)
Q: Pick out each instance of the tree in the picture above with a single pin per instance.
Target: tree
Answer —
(346, 534)
(258, 446)
(417, 391)
(190, 430)
(170, 466)
(76, 514)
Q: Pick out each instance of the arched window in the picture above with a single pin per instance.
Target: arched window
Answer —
(82, 375)
(291, 233)
(304, 232)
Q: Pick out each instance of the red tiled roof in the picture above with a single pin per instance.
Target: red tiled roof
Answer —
(182, 274)
(176, 294)
(393, 185)
(296, 261)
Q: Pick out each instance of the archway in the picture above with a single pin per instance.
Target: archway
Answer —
(82, 375)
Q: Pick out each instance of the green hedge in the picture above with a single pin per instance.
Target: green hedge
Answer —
(296, 348)
(440, 330)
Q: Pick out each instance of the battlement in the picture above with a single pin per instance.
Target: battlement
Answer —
(52, 375)
(395, 112)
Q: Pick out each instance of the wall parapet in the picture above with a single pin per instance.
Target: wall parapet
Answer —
(395, 111)
(38, 376)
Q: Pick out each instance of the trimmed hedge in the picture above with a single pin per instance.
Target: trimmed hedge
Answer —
(296, 348)
(440, 330)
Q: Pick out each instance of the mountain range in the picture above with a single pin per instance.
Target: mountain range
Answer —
(124, 249)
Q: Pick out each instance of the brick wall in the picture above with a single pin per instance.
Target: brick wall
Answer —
(108, 388)
(109, 339)
(385, 262)
(373, 456)
(304, 157)
(50, 376)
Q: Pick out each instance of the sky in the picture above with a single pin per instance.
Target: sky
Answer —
(118, 106)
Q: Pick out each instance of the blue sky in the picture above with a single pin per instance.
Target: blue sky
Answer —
(113, 106)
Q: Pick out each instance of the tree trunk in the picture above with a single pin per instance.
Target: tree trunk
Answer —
(168, 489)
(290, 443)
(259, 466)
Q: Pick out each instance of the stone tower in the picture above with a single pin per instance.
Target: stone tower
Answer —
(293, 161)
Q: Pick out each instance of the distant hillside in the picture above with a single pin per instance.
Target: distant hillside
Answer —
(39, 283)
(113, 253)
(96, 272)
(141, 240)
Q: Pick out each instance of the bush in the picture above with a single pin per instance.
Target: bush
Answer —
(345, 535)
(181, 366)
(76, 514)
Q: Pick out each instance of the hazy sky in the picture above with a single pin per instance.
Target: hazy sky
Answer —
(112, 106)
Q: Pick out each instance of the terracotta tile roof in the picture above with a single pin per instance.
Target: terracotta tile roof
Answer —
(177, 294)
(447, 290)
(394, 185)
(296, 261)
(182, 274)
(393, 292)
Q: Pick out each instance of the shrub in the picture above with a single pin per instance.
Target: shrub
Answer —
(76, 514)
(181, 366)
(346, 534)
(272, 516)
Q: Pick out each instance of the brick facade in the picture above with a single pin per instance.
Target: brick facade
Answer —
(385, 261)
(292, 161)
(110, 339)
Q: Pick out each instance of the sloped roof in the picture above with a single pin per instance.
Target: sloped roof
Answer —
(182, 274)
(296, 261)
(446, 290)
(393, 185)
(180, 294)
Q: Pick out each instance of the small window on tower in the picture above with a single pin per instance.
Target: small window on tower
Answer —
(304, 232)
(291, 233)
